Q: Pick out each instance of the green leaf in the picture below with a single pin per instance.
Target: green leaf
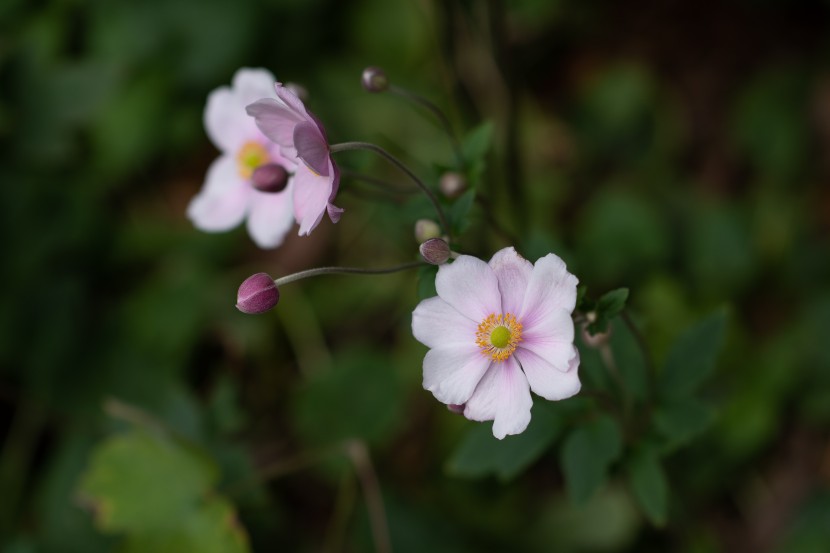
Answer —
(692, 357)
(681, 420)
(426, 282)
(648, 483)
(587, 455)
(460, 211)
(630, 360)
(477, 143)
(612, 303)
(481, 454)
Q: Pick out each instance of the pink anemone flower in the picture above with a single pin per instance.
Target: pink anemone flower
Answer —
(496, 331)
(301, 137)
(228, 195)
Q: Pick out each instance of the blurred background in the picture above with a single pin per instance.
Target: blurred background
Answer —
(679, 149)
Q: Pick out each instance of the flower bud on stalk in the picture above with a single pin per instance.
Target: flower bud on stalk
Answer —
(271, 178)
(257, 294)
(452, 184)
(374, 79)
(435, 251)
(426, 229)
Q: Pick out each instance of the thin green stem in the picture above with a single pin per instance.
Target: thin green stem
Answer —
(345, 271)
(346, 146)
(443, 120)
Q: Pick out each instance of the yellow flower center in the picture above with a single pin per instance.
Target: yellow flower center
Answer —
(251, 155)
(498, 336)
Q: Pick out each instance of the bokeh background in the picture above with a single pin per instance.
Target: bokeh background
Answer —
(679, 149)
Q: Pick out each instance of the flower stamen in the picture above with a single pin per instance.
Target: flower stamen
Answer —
(251, 155)
(498, 336)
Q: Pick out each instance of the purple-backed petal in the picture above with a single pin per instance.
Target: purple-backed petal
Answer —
(311, 147)
(311, 198)
(513, 272)
(452, 372)
(550, 288)
(547, 381)
(435, 323)
(334, 213)
(277, 122)
(291, 100)
(551, 337)
(223, 201)
(503, 396)
(270, 217)
(470, 286)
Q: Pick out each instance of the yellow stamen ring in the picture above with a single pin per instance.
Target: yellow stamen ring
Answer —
(251, 155)
(498, 336)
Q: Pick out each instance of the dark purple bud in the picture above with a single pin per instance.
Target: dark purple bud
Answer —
(435, 251)
(257, 294)
(452, 184)
(454, 408)
(270, 178)
(374, 79)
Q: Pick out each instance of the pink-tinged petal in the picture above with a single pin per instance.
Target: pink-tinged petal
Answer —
(291, 101)
(435, 323)
(334, 212)
(223, 201)
(311, 198)
(312, 148)
(503, 396)
(452, 372)
(270, 217)
(551, 287)
(225, 122)
(550, 337)
(469, 285)
(513, 273)
(548, 381)
(252, 84)
(277, 122)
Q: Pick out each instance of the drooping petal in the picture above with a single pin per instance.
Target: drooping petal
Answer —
(470, 286)
(513, 273)
(225, 124)
(550, 336)
(548, 381)
(435, 323)
(291, 100)
(223, 200)
(311, 147)
(334, 212)
(270, 217)
(277, 122)
(311, 198)
(451, 372)
(503, 396)
(551, 287)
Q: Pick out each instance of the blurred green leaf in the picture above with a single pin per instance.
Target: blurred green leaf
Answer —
(426, 282)
(474, 148)
(613, 302)
(630, 359)
(460, 211)
(587, 455)
(692, 357)
(648, 483)
(680, 420)
(481, 454)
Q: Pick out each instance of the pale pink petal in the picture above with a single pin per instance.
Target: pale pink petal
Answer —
(436, 323)
(451, 372)
(270, 217)
(311, 198)
(513, 273)
(223, 200)
(225, 121)
(252, 84)
(551, 287)
(547, 381)
(277, 122)
(291, 101)
(469, 285)
(334, 212)
(311, 147)
(550, 337)
(503, 396)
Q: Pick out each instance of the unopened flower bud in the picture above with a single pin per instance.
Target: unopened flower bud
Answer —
(257, 294)
(299, 90)
(454, 408)
(270, 178)
(374, 79)
(435, 251)
(426, 229)
(452, 184)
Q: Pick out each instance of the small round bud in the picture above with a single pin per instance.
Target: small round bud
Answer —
(271, 178)
(426, 229)
(374, 79)
(452, 184)
(455, 408)
(435, 251)
(299, 90)
(257, 294)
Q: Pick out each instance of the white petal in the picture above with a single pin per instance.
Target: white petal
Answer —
(250, 85)
(311, 197)
(271, 217)
(503, 396)
(223, 201)
(470, 286)
(452, 372)
(226, 125)
(550, 336)
(513, 272)
(551, 287)
(436, 323)
(547, 381)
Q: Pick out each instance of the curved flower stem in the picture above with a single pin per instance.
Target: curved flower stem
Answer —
(381, 184)
(443, 120)
(346, 271)
(345, 146)
(358, 453)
